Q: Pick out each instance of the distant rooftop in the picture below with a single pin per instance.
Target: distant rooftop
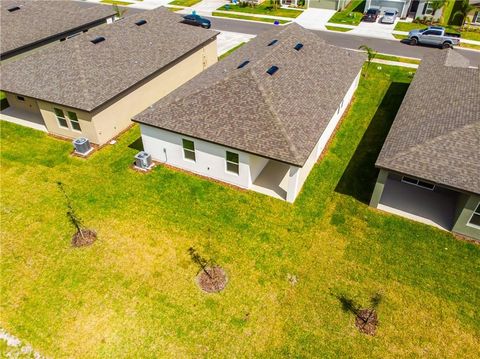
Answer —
(436, 133)
(26, 22)
(273, 97)
(88, 70)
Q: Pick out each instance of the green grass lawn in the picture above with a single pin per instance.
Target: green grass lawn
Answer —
(469, 35)
(116, 2)
(397, 59)
(351, 15)
(337, 28)
(246, 17)
(186, 3)
(262, 9)
(174, 8)
(133, 294)
(222, 56)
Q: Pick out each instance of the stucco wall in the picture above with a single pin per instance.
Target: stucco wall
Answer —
(51, 122)
(327, 134)
(116, 117)
(257, 164)
(29, 104)
(465, 207)
(166, 147)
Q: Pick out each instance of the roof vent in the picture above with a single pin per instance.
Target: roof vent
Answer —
(298, 46)
(243, 64)
(97, 40)
(13, 8)
(272, 70)
(273, 42)
(140, 22)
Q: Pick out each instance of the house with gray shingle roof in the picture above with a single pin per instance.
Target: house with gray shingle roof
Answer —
(430, 161)
(260, 118)
(93, 84)
(27, 25)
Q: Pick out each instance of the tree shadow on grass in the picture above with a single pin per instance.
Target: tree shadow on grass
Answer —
(360, 175)
(137, 144)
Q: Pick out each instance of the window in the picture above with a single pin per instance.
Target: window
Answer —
(428, 10)
(476, 18)
(72, 116)
(61, 118)
(232, 162)
(20, 98)
(188, 150)
(475, 219)
(418, 183)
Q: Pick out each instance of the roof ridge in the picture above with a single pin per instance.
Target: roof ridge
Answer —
(401, 154)
(81, 72)
(293, 150)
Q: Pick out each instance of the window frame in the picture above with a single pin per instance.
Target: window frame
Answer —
(189, 150)
(72, 121)
(416, 182)
(428, 9)
(59, 118)
(476, 212)
(476, 18)
(237, 164)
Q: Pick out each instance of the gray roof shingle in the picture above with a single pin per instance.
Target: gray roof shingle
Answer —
(436, 133)
(279, 116)
(83, 75)
(38, 20)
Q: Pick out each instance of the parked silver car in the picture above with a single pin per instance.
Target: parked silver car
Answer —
(389, 17)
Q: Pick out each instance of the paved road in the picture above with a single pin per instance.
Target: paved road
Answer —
(344, 40)
(337, 38)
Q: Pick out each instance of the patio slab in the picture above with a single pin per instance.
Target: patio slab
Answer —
(24, 118)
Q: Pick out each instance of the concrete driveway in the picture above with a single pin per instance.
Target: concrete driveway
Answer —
(315, 19)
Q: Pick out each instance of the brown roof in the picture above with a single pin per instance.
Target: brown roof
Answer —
(436, 133)
(83, 75)
(280, 116)
(37, 21)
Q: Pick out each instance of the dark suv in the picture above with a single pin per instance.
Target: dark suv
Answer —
(197, 20)
(371, 15)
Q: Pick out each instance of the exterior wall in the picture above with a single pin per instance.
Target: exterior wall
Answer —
(327, 134)
(421, 11)
(51, 122)
(110, 121)
(402, 5)
(465, 207)
(166, 147)
(29, 105)
(378, 190)
(257, 164)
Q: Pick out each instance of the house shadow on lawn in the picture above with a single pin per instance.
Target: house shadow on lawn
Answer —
(360, 176)
(137, 144)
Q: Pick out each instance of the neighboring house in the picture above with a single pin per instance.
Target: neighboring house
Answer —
(260, 118)
(30, 24)
(430, 162)
(476, 13)
(406, 8)
(93, 84)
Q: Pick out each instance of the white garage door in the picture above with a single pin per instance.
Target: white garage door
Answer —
(384, 5)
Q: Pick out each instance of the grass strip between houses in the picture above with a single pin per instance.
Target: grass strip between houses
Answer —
(250, 18)
(351, 15)
(186, 3)
(337, 28)
(262, 9)
(222, 56)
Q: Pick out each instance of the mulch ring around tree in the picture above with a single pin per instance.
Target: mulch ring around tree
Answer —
(367, 321)
(84, 237)
(214, 281)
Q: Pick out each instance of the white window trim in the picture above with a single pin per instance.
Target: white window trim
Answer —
(63, 118)
(475, 211)
(476, 19)
(77, 121)
(235, 163)
(189, 150)
(417, 184)
(429, 8)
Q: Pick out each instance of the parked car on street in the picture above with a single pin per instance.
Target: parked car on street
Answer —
(197, 20)
(389, 17)
(434, 35)
(371, 15)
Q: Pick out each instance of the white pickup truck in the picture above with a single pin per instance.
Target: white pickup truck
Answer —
(434, 35)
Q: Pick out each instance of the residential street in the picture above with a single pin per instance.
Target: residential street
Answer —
(345, 40)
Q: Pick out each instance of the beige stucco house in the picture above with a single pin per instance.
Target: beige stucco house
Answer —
(93, 84)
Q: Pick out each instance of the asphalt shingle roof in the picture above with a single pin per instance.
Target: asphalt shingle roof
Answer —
(436, 133)
(39, 20)
(279, 116)
(83, 75)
